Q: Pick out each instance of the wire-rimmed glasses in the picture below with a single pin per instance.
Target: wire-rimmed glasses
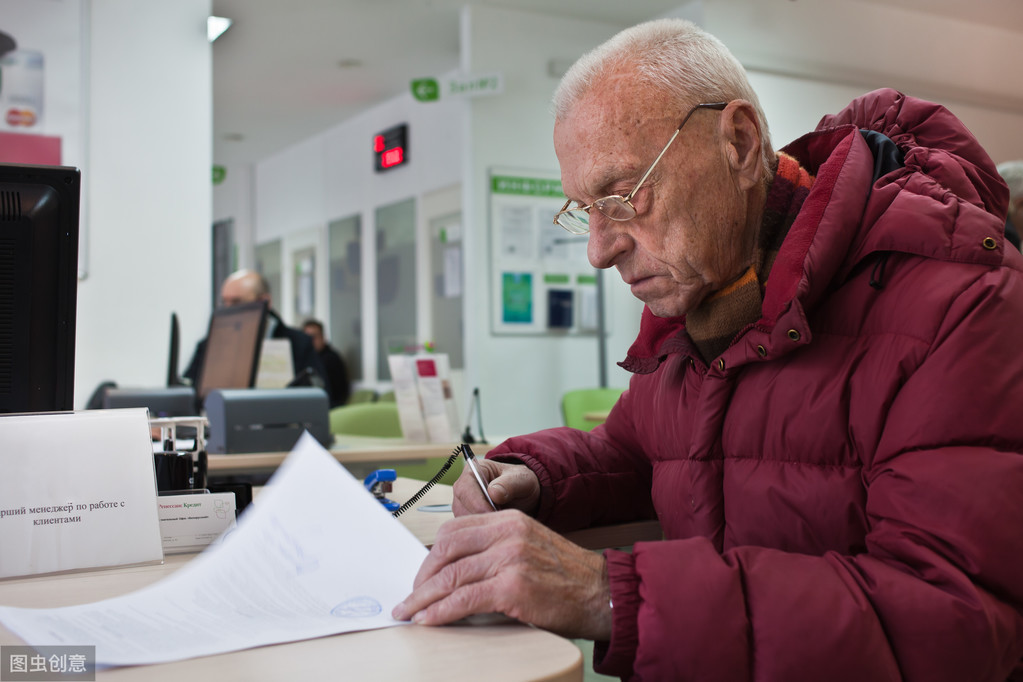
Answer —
(616, 207)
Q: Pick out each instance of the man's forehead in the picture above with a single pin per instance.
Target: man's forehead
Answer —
(623, 109)
(604, 139)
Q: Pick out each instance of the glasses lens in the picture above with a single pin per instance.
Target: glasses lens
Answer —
(576, 222)
(615, 208)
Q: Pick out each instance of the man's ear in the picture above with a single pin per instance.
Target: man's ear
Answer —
(740, 132)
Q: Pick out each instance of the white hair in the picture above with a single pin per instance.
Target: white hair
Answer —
(1012, 173)
(673, 55)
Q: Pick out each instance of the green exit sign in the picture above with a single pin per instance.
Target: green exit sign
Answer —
(432, 89)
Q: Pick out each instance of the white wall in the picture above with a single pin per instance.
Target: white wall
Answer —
(233, 200)
(330, 176)
(514, 130)
(149, 202)
(824, 52)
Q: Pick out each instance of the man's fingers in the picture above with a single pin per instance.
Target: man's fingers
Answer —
(466, 601)
(436, 586)
(458, 538)
(515, 486)
(509, 485)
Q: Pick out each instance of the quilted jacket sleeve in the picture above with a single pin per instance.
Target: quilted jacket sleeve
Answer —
(590, 478)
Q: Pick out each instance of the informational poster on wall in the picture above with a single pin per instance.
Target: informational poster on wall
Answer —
(541, 282)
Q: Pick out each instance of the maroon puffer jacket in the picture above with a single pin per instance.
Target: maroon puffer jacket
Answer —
(841, 490)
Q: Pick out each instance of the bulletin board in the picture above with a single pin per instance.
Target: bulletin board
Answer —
(540, 280)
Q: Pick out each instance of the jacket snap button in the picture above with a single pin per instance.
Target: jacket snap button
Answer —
(793, 334)
(721, 364)
(990, 244)
(761, 351)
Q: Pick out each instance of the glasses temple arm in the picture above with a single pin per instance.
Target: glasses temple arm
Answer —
(714, 105)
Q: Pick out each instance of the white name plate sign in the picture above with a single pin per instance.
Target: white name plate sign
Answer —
(189, 523)
(77, 491)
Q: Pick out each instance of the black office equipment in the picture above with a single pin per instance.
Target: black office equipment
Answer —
(266, 419)
(173, 378)
(231, 357)
(474, 406)
(176, 401)
(39, 212)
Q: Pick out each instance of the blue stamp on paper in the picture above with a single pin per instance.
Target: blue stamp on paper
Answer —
(357, 607)
(47, 663)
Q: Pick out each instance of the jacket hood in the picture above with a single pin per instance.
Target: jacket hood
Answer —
(893, 173)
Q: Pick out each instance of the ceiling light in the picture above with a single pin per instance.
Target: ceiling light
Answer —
(215, 26)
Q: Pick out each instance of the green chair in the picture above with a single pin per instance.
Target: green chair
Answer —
(580, 408)
(366, 419)
(380, 419)
(424, 471)
(362, 395)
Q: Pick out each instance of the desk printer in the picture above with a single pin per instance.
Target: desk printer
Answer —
(264, 419)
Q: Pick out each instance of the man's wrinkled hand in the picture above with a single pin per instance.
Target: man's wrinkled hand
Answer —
(511, 486)
(506, 562)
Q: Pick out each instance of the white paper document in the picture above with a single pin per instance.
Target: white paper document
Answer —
(314, 555)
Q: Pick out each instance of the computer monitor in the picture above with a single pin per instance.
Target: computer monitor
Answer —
(231, 357)
(39, 207)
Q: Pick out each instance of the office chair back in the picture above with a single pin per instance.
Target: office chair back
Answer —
(577, 403)
(362, 395)
(366, 419)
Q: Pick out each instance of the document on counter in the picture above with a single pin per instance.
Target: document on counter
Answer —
(316, 554)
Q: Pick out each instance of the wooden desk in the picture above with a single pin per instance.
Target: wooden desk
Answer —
(505, 651)
(353, 452)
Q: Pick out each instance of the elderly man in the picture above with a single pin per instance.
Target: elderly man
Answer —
(248, 286)
(820, 409)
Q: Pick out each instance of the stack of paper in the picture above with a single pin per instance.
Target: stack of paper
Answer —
(315, 555)
(426, 402)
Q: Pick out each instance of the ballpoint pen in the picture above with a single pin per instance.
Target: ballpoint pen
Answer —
(470, 460)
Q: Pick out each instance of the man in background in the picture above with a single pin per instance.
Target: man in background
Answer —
(1012, 173)
(248, 286)
(333, 363)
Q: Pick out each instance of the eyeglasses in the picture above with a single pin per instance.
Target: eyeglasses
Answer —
(616, 207)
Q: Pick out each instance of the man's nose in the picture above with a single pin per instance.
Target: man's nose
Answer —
(608, 240)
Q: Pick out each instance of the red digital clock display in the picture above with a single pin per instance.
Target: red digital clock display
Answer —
(390, 148)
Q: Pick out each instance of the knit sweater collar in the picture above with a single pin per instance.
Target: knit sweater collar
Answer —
(726, 313)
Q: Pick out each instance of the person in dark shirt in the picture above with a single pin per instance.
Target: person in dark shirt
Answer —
(337, 370)
(248, 286)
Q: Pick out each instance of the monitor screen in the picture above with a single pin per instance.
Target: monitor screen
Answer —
(232, 348)
(38, 286)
